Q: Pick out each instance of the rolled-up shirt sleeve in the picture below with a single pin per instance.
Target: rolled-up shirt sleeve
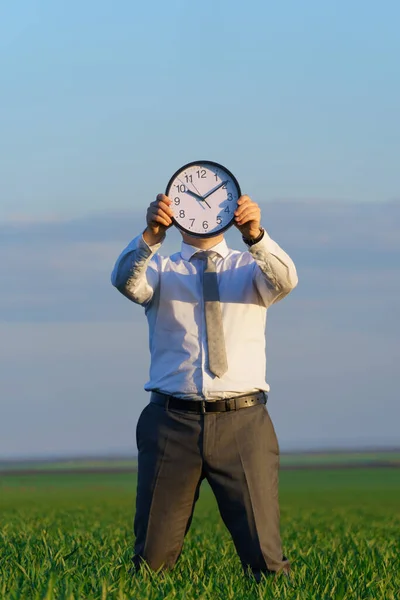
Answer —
(136, 273)
(275, 274)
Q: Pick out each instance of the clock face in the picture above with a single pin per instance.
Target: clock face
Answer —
(204, 198)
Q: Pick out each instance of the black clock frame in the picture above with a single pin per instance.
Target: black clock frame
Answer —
(200, 163)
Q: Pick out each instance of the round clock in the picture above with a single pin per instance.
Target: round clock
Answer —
(204, 197)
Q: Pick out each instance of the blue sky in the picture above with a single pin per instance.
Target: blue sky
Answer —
(74, 356)
(101, 103)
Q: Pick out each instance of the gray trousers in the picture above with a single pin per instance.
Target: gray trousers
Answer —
(237, 452)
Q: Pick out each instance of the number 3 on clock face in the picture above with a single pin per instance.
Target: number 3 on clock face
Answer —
(204, 197)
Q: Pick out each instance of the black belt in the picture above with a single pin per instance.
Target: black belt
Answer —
(207, 406)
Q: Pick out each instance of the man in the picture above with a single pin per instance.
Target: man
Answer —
(206, 310)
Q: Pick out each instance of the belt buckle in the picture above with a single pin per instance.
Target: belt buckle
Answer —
(230, 404)
(203, 407)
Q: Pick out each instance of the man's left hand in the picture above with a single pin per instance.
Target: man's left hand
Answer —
(248, 218)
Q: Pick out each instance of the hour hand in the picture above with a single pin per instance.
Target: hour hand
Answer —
(202, 198)
(194, 194)
(215, 189)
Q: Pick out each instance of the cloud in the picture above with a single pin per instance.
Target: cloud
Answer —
(21, 219)
(72, 359)
(60, 271)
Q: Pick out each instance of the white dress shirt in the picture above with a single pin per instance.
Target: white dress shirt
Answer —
(170, 289)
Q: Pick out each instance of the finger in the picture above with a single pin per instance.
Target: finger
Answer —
(160, 204)
(160, 213)
(248, 210)
(244, 199)
(163, 198)
(166, 208)
(240, 208)
(249, 215)
(166, 221)
(246, 218)
(244, 205)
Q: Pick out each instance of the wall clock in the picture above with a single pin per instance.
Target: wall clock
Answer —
(204, 197)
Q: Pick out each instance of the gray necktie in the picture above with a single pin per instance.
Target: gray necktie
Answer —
(217, 361)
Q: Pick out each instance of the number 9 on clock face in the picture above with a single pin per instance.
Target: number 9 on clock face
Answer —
(204, 197)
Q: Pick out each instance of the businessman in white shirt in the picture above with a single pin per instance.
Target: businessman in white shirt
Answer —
(206, 308)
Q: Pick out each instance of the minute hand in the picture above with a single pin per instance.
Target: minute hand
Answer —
(194, 194)
(215, 189)
(198, 197)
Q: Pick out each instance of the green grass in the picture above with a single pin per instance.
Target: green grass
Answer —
(339, 458)
(63, 465)
(69, 537)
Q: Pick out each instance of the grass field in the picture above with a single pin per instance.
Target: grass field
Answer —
(69, 537)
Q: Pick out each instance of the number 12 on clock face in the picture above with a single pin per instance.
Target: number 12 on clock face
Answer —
(204, 197)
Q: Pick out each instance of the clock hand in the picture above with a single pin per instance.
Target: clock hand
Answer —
(194, 194)
(198, 195)
(214, 189)
(202, 198)
(197, 191)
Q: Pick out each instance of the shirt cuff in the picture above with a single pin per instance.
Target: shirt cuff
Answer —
(145, 246)
(141, 249)
(266, 244)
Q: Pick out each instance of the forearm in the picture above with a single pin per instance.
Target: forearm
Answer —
(275, 273)
(135, 274)
(152, 239)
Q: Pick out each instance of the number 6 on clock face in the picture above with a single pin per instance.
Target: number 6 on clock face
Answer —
(204, 197)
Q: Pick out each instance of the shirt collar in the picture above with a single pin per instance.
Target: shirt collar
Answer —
(187, 251)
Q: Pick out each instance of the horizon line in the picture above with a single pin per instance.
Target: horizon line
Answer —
(112, 457)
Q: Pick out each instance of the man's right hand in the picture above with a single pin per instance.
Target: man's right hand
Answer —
(159, 219)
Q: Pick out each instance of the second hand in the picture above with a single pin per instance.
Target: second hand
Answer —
(200, 195)
(204, 200)
(196, 191)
